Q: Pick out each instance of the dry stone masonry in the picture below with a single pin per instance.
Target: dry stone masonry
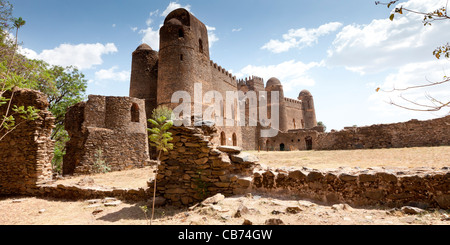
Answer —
(106, 132)
(26, 153)
(196, 169)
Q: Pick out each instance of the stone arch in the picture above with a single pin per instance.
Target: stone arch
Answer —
(309, 143)
(223, 139)
(134, 112)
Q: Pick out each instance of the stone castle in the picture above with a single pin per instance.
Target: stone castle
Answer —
(114, 129)
(183, 60)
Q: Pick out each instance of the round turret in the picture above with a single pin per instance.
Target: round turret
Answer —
(183, 56)
(144, 76)
(273, 84)
(309, 112)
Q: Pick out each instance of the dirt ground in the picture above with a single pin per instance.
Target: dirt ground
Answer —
(255, 208)
(252, 208)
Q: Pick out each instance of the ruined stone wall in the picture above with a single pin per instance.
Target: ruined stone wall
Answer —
(292, 140)
(26, 153)
(196, 169)
(106, 131)
(361, 187)
(413, 133)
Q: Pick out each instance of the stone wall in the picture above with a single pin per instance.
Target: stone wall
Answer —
(361, 187)
(106, 131)
(26, 152)
(196, 169)
(413, 133)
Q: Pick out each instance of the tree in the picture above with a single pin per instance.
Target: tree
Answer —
(434, 104)
(63, 86)
(323, 125)
(160, 138)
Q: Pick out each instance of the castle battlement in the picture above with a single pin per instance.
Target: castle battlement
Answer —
(222, 70)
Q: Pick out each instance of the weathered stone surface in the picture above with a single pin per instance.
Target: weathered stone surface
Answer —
(214, 199)
(274, 222)
(412, 210)
(229, 149)
(244, 157)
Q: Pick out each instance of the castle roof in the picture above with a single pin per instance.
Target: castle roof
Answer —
(273, 81)
(304, 93)
(144, 46)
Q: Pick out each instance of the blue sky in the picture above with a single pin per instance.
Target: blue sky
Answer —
(341, 51)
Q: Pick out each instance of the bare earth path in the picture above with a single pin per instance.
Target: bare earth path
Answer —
(254, 207)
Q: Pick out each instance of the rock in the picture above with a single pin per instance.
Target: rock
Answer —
(274, 222)
(159, 201)
(412, 210)
(17, 200)
(112, 204)
(293, 210)
(86, 181)
(341, 207)
(41, 211)
(214, 199)
(275, 212)
(241, 210)
(95, 205)
(97, 211)
(230, 149)
(247, 222)
(92, 201)
(244, 157)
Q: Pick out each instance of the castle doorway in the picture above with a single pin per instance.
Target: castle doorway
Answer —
(282, 147)
(234, 139)
(309, 143)
(223, 139)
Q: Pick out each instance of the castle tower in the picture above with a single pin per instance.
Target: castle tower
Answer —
(144, 76)
(183, 56)
(309, 113)
(274, 84)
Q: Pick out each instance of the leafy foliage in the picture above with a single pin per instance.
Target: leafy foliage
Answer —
(160, 138)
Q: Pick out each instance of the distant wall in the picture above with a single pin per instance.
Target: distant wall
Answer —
(413, 133)
(26, 153)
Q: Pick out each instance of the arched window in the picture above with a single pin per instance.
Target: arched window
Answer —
(200, 46)
(234, 139)
(223, 139)
(282, 147)
(180, 33)
(181, 57)
(294, 123)
(134, 112)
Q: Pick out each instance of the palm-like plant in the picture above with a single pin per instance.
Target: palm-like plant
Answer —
(160, 138)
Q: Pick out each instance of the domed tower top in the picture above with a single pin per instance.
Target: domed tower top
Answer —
(309, 112)
(183, 28)
(304, 93)
(274, 84)
(144, 46)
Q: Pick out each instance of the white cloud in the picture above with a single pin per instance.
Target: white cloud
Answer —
(134, 29)
(293, 75)
(384, 44)
(174, 5)
(236, 30)
(113, 25)
(151, 37)
(83, 56)
(112, 74)
(300, 38)
(212, 37)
